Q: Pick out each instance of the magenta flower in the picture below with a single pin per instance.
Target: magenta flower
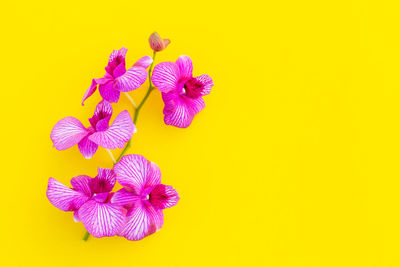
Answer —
(143, 196)
(181, 92)
(89, 199)
(117, 78)
(70, 131)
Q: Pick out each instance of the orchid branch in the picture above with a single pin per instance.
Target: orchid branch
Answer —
(137, 109)
(100, 211)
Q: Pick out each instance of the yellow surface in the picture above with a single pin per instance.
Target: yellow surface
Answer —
(294, 161)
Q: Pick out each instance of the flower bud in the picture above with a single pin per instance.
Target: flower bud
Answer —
(157, 43)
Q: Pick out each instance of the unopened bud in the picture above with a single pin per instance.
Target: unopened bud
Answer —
(157, 43)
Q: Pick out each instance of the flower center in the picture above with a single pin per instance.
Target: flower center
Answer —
(100, 197)
(146, 194)
(192, 88)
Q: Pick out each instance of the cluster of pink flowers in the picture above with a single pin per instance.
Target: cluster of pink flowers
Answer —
(136, 210)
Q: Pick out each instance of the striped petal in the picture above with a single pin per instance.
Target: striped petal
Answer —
(108, 93)
(90, 91)
(67, 132)
(124, 197)
(135, 172)
(101, 219)
(120, 132)
(132, 79)
(117, 58)
(87, 147)
(144, 62)
(119, 70)
(103, 109)
(163, 196)
(142, 220)
(63, 197)
(153, 176)
(81, 183)
(103, 182)
(179, 110)
(185, 67)
(102, 115)
(199, 86)
(166, 76)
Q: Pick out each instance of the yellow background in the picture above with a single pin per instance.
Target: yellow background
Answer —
(293, 162)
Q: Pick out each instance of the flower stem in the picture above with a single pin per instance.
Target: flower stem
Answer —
(86, 236)
(128, 145)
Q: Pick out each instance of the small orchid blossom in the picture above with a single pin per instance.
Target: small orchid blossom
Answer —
(117, 78)
(89, 199)
(181, 92)
(69, 131)
(143, 196)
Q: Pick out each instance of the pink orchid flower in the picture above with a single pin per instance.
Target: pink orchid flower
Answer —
(70, 131)
(143, 196)
(181, 92)
(89, 199)
(117, 78)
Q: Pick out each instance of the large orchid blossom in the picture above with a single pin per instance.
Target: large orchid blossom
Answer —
(70, 131)
(119, 79)
(89, 199)
(143, 196)
(181, 92)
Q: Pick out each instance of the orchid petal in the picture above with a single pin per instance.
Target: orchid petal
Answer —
(163, 196)
(101, 219)
(119, 70)
(117, 53)
(103, 109)
(132, 79)
(117, 57)
(108, 93)
(63, 197)
(81, 183)
(185, 67)
(166, 42)
(132, 172)
(166, 76)
(76, 217)
(153, 176)
(103, 182)
(90, 91)
(87, 147)
(67, 132)
(144, 62)
(102, 115)
(199, 86)
(103, 124)
(120, 132)
(180, 110)
(142, 220)
(123, 197)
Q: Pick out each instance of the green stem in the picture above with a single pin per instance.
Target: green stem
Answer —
(128, 145)
(86, 236)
